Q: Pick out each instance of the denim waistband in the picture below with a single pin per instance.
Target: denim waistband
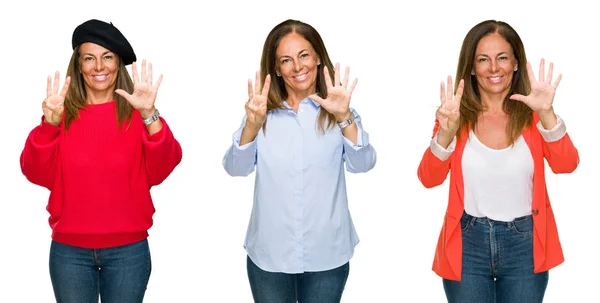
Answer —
(486, 220)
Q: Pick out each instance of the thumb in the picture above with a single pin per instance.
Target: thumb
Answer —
(317, 99)
(123, 94)
(519, 97)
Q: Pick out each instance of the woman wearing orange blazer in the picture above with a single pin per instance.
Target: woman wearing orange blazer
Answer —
(499, 237)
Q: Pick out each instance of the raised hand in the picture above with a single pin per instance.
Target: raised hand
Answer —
(338, 94)
(53, 106)
(541, 97)
(448, 114)
(144, 92)
(256, 107)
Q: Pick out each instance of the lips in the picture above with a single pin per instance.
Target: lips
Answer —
(301, 77)
(495, 80)
(100, 77)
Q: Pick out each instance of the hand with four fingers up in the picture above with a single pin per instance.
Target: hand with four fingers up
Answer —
(53, 106)
(448, 114)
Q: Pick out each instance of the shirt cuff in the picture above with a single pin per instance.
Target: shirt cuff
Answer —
(159, 135)
(47, 132)
(440, 152)
(236, 140)
(360, 139)
(556, 133)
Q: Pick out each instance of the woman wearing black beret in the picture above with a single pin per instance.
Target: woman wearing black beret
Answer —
(99, 148)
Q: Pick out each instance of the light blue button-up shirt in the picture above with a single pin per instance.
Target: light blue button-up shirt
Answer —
(300, 220)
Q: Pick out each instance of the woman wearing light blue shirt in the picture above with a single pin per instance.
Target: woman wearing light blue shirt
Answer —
(298, 133)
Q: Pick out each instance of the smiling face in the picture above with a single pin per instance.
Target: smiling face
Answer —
(99, 67)
(297, 64)
(494, 65)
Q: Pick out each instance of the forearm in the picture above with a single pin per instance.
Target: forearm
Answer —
(162, 153)
(351, 133)
(444, 139)
(39, 157)
(154, 127)
(240, 158)
(432, 170)
(548, 119)
(559, 150)
(360, 156)
(249, 133)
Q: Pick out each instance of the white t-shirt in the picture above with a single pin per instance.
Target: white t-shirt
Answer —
(498, 182)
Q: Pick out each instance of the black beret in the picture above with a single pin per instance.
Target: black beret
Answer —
(106, 35)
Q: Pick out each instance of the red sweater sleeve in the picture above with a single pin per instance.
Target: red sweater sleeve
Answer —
(162, 154)
(562, 156)
(433, 171)
(39, 158)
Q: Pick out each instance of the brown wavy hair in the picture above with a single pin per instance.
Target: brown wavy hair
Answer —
(520, 115)
(75, 100)
(268, 66)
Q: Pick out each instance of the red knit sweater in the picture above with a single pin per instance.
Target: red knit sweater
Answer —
(99, 175)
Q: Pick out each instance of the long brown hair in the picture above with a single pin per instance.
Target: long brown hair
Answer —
(520, 115)
(268, 66)
(75, 99)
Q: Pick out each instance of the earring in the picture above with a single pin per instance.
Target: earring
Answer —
(318, 62)
(516, 68)
(278, 74)
(472, 73)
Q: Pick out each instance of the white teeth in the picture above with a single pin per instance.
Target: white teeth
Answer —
(301, 77)
(100, 77)
(495, 79)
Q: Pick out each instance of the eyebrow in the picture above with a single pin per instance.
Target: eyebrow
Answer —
(485, 55)
(300, 52)
(90, 54)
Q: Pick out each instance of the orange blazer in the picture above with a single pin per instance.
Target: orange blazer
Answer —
(562, 157)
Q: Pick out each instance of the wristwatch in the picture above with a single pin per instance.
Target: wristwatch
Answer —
(346, 123)
(152, 118)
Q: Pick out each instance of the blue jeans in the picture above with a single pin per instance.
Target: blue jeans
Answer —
(497, 263)
(116, 274)
(309, 287)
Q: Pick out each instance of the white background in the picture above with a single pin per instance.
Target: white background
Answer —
(208, 51)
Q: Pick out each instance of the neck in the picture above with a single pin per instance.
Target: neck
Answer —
(294, 99)
(493, 103)
(294, 96)
(96, 97)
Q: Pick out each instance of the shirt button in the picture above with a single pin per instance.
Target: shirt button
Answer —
(535, 211)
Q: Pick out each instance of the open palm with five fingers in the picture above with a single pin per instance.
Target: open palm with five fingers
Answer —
(53, 106)
(256, 107)
(144, 91)
(448, 114)
(541, 97)
(338, 98)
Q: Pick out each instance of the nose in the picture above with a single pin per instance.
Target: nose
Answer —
(99, 65)
(297, 65)
(494, 66)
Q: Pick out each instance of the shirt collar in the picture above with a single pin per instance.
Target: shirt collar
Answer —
(314, 103)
